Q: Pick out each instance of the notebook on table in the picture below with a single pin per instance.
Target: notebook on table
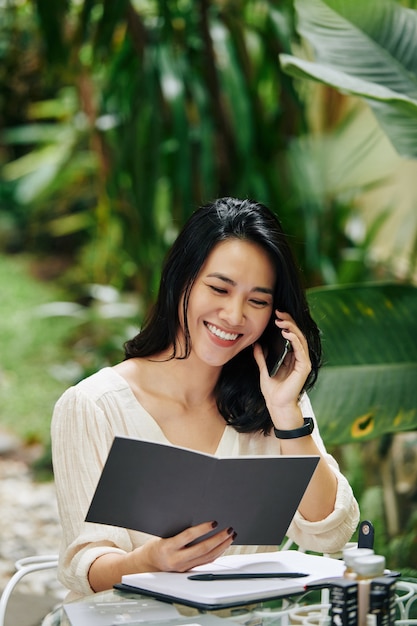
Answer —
(217, 594)
(162, 490)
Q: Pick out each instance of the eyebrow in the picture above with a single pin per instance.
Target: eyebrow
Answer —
(229, 281)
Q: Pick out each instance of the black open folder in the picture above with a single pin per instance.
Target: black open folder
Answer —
(161, 490)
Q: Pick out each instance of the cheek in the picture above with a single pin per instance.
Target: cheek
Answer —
(267, 318)
(196, 308)
(201, 302)
(262, 324)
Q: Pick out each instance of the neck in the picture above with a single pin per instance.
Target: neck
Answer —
(187, 380)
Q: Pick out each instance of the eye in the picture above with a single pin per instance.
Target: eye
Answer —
(260, 303)
(218, 289)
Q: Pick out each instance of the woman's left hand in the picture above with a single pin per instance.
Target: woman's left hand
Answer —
(282, 391)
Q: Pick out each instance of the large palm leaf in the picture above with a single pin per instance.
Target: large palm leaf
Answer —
(368, 384)
(367, 48)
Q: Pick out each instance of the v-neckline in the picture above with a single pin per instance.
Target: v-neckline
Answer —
(227, 441)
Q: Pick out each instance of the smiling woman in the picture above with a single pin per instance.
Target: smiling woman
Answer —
(234, 305)
(196, 377)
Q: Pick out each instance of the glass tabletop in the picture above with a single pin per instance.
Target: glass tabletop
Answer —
(114, 607)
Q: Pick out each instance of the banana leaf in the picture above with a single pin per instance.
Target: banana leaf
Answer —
(366, 48)
(367, 386)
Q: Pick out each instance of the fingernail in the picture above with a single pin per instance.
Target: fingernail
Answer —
(230, 530)
(214, 524)
(234, 535)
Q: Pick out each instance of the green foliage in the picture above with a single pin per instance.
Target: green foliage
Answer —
(161, 106)
(30, 348)
(362, 466)
(49, 344)
(382, 70)
(367, 385)
(367, 49)
(100, 326)
(399, 551)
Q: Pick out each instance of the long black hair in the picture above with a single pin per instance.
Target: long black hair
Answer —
(238, 394)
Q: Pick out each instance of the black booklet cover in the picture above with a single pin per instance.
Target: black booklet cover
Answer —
(161, 490)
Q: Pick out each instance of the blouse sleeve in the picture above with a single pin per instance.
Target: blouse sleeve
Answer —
(81, 439)
(332, 533)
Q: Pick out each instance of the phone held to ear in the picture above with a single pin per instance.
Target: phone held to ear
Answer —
(275, 357)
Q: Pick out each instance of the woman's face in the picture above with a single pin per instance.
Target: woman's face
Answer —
(231, 301)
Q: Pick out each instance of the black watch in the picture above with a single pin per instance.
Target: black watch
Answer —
(304, 430)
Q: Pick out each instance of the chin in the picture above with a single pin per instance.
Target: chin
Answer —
(221, 362)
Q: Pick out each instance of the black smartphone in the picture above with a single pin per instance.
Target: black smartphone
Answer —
(277, 353)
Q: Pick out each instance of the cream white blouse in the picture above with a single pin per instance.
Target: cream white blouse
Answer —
(86, 419)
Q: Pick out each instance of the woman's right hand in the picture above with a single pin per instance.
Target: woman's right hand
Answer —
(174, 554)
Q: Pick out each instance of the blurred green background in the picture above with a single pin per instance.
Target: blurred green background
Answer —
(119, 118)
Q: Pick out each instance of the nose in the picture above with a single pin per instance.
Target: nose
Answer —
(233, 312)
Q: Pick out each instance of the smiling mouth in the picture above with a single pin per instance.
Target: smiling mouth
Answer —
(221, 334)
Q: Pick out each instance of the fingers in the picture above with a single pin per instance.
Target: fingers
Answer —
(191, 534)
(208, 550)
(283, 390)
(298, 355)
(181, 553)
(260, 358)
(289, 329)
(214, 553)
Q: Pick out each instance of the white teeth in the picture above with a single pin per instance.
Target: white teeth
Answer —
(221, 333)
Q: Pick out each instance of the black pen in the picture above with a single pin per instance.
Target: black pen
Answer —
(246, 575)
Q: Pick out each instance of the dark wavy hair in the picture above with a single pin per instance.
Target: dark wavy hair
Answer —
(238, 394)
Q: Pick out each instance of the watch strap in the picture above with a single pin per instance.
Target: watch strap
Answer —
(295, 433)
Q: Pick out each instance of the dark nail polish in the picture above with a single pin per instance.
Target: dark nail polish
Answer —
(229, 530)
(214, 524)
(234, 535)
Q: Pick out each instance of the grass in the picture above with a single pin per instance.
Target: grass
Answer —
(32, 349)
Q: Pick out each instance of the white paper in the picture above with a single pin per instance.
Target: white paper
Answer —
(177, 585)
